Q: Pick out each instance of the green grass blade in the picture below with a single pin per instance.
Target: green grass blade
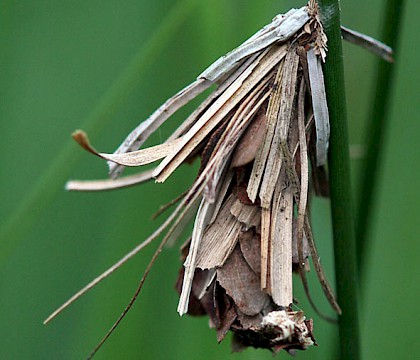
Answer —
(24, 216)
(377, 128)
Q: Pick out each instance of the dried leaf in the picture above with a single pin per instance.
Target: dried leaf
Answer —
(143, 157)
(319, 42)
(204, 287)
(244, 237)
(219, 238)
(248, 215)
(271, 119)
(221, 107)
(142, 132)
(227, 318)
(225, 183)
(319, 175)
(236, 127)
(190, 121)
(295, 251)
(109, 184)
(204, 214)
(301, 246)
(203, 125)
(319, 104)
(265, 246)
(304, 176)
(248, 145)
(281, 29)
(247, 321)
(250, 243)
(281, 248)
(196, 306)
(134, 158)
(190, 263)
(287, 96)
(374, 46)
(242, 284)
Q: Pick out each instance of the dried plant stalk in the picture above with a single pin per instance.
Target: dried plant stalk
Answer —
(258, 135)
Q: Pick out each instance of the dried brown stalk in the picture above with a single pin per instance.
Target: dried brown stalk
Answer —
(262, 131)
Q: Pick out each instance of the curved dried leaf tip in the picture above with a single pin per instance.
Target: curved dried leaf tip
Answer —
(256, 137)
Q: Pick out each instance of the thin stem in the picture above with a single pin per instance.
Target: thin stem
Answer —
(378, 124)
(340, 186)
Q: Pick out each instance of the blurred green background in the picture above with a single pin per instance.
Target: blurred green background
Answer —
(62, 68)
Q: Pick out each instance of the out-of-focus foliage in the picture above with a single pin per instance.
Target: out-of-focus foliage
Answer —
(58, 59)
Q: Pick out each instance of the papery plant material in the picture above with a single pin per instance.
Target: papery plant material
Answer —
(374, 46)
(259, 136)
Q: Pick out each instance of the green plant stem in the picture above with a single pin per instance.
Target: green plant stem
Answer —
(25, 215)
(376, 133)
(340, 186)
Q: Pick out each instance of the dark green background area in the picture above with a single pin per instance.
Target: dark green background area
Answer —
(60, 61)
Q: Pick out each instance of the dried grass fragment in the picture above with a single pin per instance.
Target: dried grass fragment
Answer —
(259, 136)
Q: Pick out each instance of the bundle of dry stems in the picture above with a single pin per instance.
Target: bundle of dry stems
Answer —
(262, 139)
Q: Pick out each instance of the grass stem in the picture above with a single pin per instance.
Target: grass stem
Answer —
(376, 132)
(340, 186)
(44, 190)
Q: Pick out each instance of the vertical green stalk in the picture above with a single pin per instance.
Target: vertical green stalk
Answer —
(378, 123)
(340, 186)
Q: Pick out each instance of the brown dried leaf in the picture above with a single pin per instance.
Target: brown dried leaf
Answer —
(305, 247)
(219, 238)
(233, 132)
(225, 183)
(82, 139)
(221, 107)
(265, 246)
(250, 244)
(241, 193)
(202, 108)
(251, 140)
(242, 284)
(109, 184)
(281, 248)
(304, 176)
(263, 151)
(134, 158)
(210, 177)
(227, 318)
(287, 96)
(142, 132)
(248, 215)
(144, 156)
(248, 322)
(206, 123)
